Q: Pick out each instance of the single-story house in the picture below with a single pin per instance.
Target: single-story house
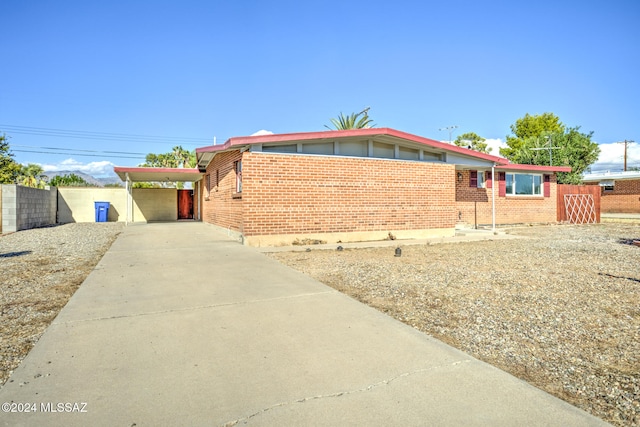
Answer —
(363, 184)
(620, 191)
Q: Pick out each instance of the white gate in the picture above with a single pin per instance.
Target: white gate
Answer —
(580, 208)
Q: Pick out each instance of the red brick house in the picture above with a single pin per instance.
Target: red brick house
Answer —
(356, 185)
(620, 191)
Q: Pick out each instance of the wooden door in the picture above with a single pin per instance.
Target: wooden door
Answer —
(185, 204)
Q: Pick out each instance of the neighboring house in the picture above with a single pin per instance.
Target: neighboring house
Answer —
(364, 184)
(620, 191)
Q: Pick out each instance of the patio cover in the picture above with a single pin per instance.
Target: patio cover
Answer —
(136, 174)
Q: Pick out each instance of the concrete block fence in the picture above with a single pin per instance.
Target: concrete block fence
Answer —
(26, 207)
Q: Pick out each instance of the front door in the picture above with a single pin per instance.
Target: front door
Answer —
(185, 204)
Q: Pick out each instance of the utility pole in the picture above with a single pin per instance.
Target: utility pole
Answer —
(450, 129)
(626, 144)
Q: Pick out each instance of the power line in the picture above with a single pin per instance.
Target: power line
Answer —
(104, 136)
(79, 150)
(80, 154)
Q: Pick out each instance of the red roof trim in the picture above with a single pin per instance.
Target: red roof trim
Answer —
(124, 169)
(335, 134)
(535, 168)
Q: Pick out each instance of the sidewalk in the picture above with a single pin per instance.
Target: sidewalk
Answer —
(620, 217)
(179, 325)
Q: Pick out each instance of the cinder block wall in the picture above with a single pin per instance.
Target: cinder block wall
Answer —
(472, 201)
(25, 207)
(154, 204)
(76, 204)
(625, 198)
(296, 194)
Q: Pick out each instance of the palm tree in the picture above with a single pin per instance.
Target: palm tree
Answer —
(352, 122)
(181, 155)
(32, 175)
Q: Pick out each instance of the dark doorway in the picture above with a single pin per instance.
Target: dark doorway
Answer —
(185, 204)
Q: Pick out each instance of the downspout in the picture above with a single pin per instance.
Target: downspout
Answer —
(493, 198)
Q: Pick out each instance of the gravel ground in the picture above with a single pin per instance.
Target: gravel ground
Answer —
(559, 309)
(40, 269)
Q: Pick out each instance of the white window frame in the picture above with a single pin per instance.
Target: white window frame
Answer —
(513, 188)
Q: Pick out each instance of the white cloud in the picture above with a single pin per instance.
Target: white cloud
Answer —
(495, 145)
(612, 157)
(97, 169)
(262, 132)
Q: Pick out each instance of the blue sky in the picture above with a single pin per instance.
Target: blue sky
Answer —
(192, 70)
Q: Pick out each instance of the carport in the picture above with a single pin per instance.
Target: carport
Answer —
(129, 175)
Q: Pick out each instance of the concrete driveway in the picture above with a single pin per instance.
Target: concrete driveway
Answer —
(180, 325)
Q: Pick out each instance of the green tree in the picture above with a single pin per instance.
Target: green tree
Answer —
(146, 185)
(544, 140)
(352, 121)
(9, 169)
(32, 175)
(473, 141)
(184, 158)
(166, 160)
(531, 127)
(70, 180)
(178, 157)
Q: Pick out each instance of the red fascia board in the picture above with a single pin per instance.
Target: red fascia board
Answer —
(336, 134)
(534, 168)
(125, 169)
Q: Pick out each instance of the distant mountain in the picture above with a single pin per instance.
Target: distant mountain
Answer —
(100, 182)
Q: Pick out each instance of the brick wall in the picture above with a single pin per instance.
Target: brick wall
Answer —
(625, 198)
(287, 194)
(471, 201)
(219, 206)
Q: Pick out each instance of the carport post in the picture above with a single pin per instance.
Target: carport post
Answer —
(493, 198)
(128, 188)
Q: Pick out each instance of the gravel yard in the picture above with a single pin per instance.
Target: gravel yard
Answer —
(559, 309)
(40, 269)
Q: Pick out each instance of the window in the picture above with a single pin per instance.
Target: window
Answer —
(289, 148)
(353, 148)
(384, 151)
(523, 184)
(408, 153)
(608, 185)
(318, 148)
(480, 179)
(238, 168)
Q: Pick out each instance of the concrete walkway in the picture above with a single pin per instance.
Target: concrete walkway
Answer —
(179, 325)
(619, 217)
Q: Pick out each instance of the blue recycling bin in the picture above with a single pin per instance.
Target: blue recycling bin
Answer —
(102, 211)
